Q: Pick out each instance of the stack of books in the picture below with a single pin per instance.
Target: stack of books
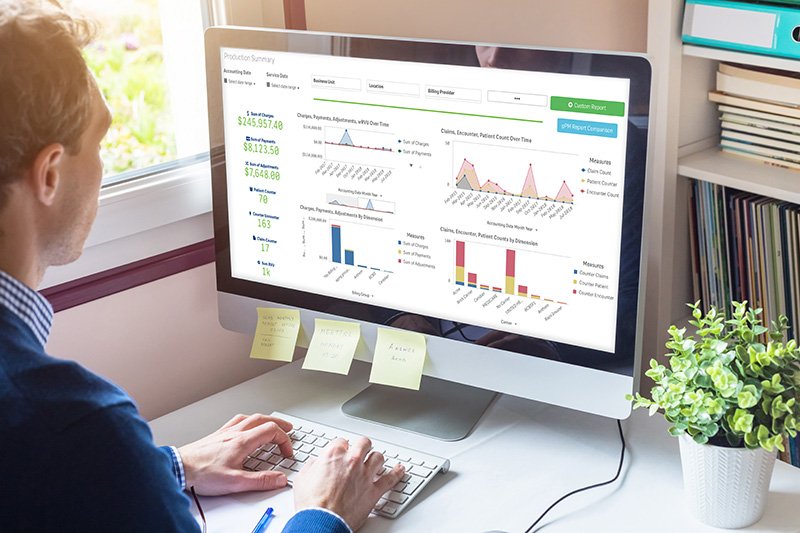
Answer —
(747, 247)
(760, 113)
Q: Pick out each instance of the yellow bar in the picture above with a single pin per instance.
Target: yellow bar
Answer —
(460, 274)
(509, 284)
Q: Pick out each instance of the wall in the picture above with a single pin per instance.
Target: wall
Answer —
(591, 24)
(161, 342)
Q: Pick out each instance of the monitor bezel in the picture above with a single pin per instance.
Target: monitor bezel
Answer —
(239, 297)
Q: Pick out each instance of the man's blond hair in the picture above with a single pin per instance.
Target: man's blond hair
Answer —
(45, 85)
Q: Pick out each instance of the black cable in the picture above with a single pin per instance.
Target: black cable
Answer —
(199, 508)
(612, 480)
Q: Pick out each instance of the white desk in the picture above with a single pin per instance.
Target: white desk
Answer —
(521, 457)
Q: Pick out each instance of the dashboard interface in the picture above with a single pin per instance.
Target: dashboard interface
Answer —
(485, 196)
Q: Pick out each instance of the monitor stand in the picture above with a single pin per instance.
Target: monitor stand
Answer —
(441, 409)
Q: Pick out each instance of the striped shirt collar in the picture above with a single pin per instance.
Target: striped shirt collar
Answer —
(29, 306)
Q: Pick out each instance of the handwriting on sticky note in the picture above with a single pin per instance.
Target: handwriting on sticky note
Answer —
(399, 358)
(276, 334)
(332, 346)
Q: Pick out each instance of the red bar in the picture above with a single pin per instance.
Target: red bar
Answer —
(460, 253)
(510, 262)
(472, 278)
(523, 289)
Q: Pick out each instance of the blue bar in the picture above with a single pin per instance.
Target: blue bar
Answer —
(336, 243)
(460, 283)
(586, 127)
(349, 257)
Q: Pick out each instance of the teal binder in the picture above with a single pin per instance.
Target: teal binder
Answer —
(759, 28)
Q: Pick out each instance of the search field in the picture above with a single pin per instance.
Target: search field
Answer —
(335, 82)
(504, 97)
(392, 87)
(453, 93)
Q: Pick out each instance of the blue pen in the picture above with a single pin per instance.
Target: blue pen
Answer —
(262, 524)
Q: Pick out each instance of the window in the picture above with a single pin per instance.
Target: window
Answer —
(148, 60)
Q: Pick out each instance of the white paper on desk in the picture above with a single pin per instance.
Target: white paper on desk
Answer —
(241, 512)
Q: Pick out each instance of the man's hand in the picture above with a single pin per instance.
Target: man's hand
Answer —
(213, 464)
(345, 479)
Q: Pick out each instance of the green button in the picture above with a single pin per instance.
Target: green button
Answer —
(582, 105)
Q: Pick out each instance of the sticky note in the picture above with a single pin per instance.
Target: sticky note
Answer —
(276, 334)
(399, 358)
(332, 346)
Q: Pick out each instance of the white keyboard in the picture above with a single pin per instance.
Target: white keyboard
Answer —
(309, 438)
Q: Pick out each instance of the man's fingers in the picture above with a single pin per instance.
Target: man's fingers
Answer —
(374, 462)
(360, 448)
(257, 419)
(336, 448)
(269, 432)
(390, 479)
(233, 421)
(266, 480)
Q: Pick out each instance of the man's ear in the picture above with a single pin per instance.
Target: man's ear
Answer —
(44, 175)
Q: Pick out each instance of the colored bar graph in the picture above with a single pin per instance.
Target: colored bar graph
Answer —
(472, 279)
(349, 257)
(511, 257)
(459, 262)
(336, 243)
(522, 290)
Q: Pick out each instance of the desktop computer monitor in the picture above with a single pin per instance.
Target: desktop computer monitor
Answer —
(489, 196)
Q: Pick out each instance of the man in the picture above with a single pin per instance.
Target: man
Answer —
(74, 453)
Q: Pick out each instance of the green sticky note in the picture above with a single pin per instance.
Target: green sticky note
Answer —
(399, 358)
(276, 334)
(332, 346)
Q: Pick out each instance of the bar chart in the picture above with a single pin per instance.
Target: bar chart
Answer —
(361, 245)
(546, 277)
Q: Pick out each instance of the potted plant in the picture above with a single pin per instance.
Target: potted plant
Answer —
(731, 400)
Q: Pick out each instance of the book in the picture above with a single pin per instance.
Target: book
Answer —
(770, 128)
(774, 120)
(778, 155)
(759, 84)
(758, 105)
(762, 158)
(761, 140)
(780, 78)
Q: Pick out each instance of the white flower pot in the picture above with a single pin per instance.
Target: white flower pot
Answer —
(725, 487)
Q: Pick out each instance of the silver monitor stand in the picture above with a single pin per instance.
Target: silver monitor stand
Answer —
(441, 409)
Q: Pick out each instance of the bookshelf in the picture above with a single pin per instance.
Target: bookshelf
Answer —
(685, 133)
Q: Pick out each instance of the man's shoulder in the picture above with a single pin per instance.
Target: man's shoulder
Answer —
(54, 393)
(316, 521)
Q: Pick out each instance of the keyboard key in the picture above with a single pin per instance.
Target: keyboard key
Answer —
(389, 508)
(412, 485)
(405, 477)
(397, 497)
(400, 487)
(420, 471)
(415, 461)
(274, 459)
(300, 457)
(251, 463)
(286, 463)
(306, 448)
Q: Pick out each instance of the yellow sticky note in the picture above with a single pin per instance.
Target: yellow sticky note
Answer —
(399, 358)
(332, 346)
(276, 334)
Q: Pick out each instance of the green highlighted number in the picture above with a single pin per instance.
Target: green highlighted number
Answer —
(261, 148)
(265, 123)
(265, 173)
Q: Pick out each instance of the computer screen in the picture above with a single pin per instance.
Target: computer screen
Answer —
(488, 196)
